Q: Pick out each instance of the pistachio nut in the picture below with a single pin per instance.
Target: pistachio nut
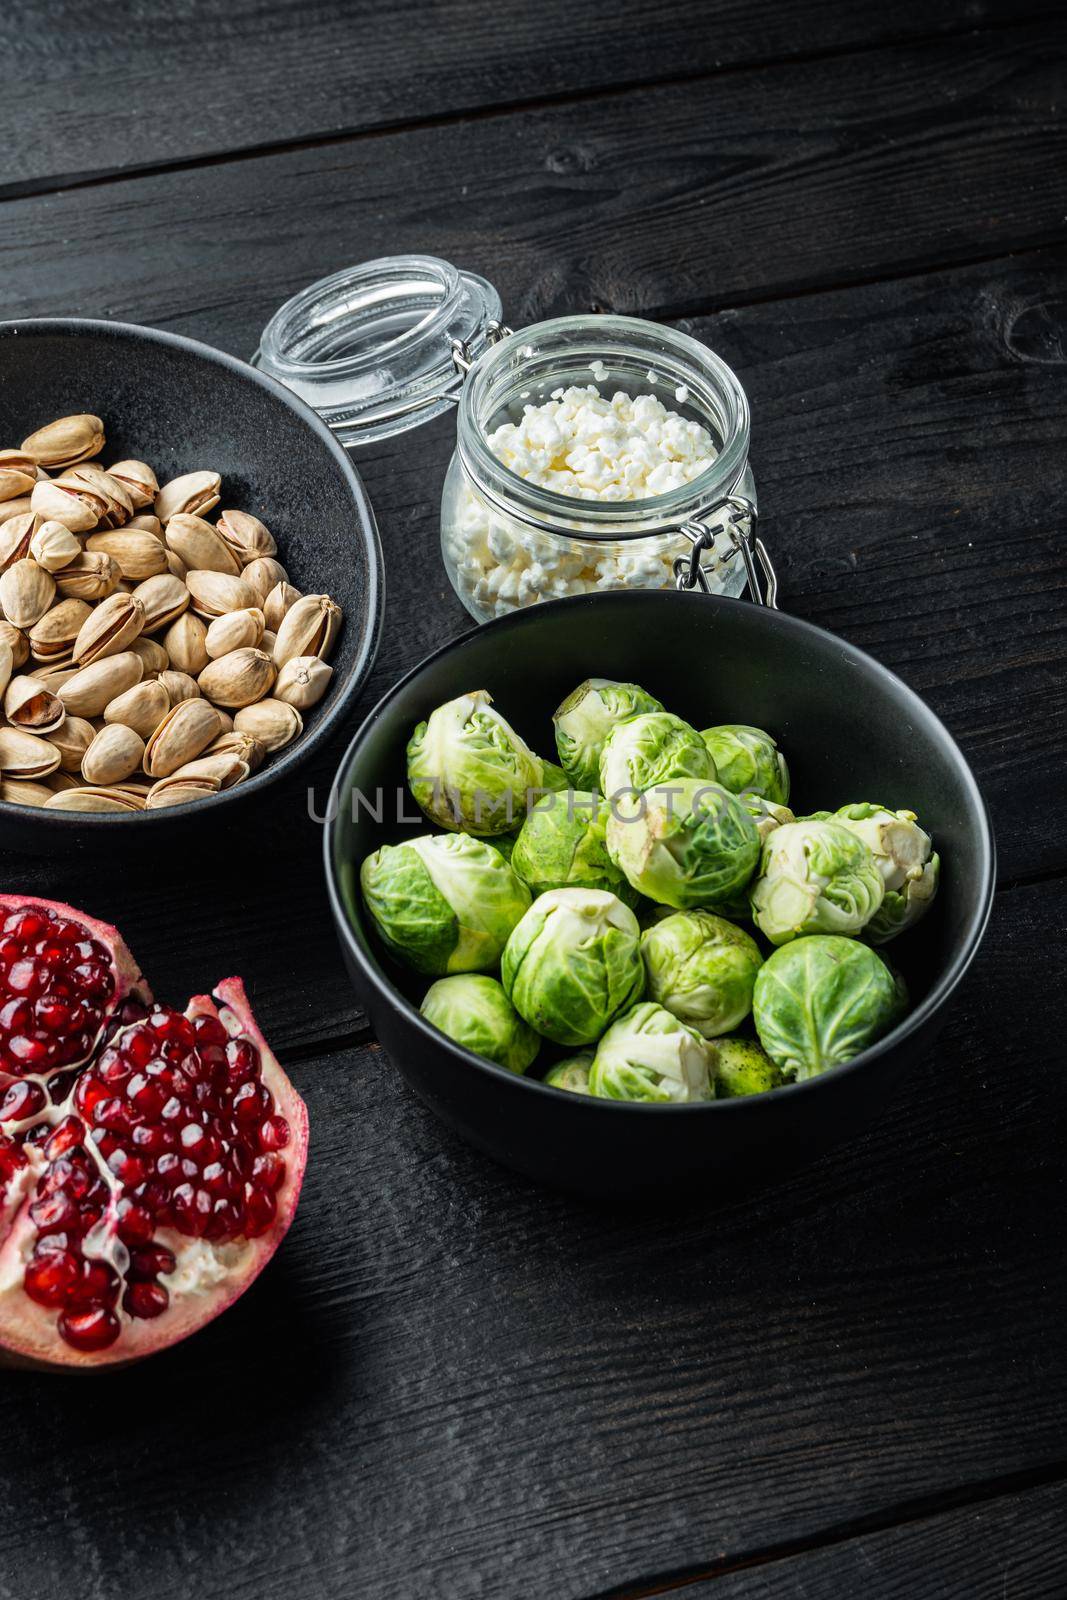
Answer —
(55, 677)
(115, 753)
(154, 659)
(164, 597)
(234, 631)
(16, 793)
(179, 686)
(225, 722)
(195, 492)
(16, 535)
(175, 791)
(7, 665)
(176, 566)
(139, 554)
(245, 746)
(91, 576)
(53, 546)
(72, 739)
(147, 522)
(197, 544)
(264, 574)
(215, 593)
(18, 474)
(31, 704)
(117, 506)
(268, 641)
(303, 681)
(246, 536)
(65, 441)
(225, 765)
(26, 592)
(26, 755)
(272, 722)
(69, 500)
(238, 679)
(309, 628)
(16, 642)
(278, 602)
(52, 638)
(185, 644)
(95, 686)
(138, 480)
(59, 780)
(185, 732)
(141, 708)
(20, 506)
(105, 802)
(112, 626)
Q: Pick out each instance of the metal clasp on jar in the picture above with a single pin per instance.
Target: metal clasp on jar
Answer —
(736, 517)
(463, 358)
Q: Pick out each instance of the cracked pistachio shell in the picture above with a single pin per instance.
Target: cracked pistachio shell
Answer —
(31, 704)
(238, 679)
(89, 690)
(185, 732)
(139, 554)
(234, 631)
(141, 707)
(15, 792)
(16, 535)
(68, 500)
(51, 639)
(309, 628)
(7, 665)
(184, 642)
(19, 507)
(26, 755)
(278, 602)
(164, 598)
(54, 547)
(176, 566)
(175, 791)
(115, 753)
(53, 677)
(154, 659)
(111, 627)
(303, 681)
(199, 546)
(138, 480)
(26, 592)
(244, 746)
(264, 574)
(116, 505)
(246, 536)
(59, 780)
(18, 474)
(91, 576)
(72, 739)
(193, 492)
(65, 441)
(225, 765)
(147, 522)
(179, 686)
(272, 722)
(216, 593)
(104, 802)
(16, 642)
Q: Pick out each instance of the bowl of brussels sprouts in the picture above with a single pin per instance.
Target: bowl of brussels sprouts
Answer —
(644, 890)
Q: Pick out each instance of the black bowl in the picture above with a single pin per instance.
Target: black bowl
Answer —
(181, 406)
(850, 730)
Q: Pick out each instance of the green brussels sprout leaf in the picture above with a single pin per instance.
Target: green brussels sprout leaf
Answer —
(475, 1012)
(649, 1056)
(585, 719)
(573, 963)
(747, 761)
(820, 1001)
(702, 969)
(469, 770)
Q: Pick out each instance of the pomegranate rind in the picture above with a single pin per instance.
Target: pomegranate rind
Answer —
(28, 1336)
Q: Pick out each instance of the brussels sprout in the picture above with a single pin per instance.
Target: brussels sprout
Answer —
(553, 778)
(652, 749)
(572, 1074)
(476, 1013)
(562, 842)
(686, 844)
(573, 963)
(505, 843)
(585, 719)
(443, 902)
(767, 816)
(909, 866)
(469, 770)
(814, 877)
(701, 969)
(747, 760)
(820, 1001)
(649, 1055)
(743, 1067)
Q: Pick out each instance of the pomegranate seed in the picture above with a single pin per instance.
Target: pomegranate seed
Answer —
(22, 1100)
(53, 1015)
(274, 1134)
(99, 1286)
(16, 1016)
(89, 1330)
(209, 1030)
(53, 1211)
(49, 1278)
(146, 1299)
(250, 1102)
(260, 1211)
(152, 1261)
(242, 1061)
(268, 1171)
(129, 1170)
(28, 1053)
(69, 1133)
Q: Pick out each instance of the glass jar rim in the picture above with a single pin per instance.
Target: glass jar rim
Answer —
(682, 361)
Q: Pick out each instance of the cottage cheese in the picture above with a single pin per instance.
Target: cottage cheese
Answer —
(582, 445)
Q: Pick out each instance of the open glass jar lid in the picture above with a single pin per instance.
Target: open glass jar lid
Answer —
(384, 346)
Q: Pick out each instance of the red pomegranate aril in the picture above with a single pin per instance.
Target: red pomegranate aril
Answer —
(50, 1278)
(54, 1211)
(152, 1261)
(69, 1133)
(152, 1139)
(53, 1015)
(99, 1286)
(127, 1169)
(145, 1299)
(23, 1099)
(135, 1223)
(260, 1211)
(16, 1016)
(242, 1061)
(29, 1053)
(274, 1134)
(90, 1330)
(24, 978)
(250, 1102)
(268, 1170)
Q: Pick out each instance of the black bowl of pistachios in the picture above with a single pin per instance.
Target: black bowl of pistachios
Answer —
(190, 582)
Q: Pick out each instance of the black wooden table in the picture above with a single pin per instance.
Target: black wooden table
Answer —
(450, 1383)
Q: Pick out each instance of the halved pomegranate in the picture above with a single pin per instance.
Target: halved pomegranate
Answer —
(150, 1159)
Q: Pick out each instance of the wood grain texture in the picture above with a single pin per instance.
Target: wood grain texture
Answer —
(1008, 1548)
(130, 84)
(451, 1383)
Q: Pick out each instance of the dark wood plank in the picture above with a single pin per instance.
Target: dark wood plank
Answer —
(1008, 1548)
(451, 1383)
(105, 88)
(665, 200)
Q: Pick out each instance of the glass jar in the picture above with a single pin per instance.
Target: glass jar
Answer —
(381, 347)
